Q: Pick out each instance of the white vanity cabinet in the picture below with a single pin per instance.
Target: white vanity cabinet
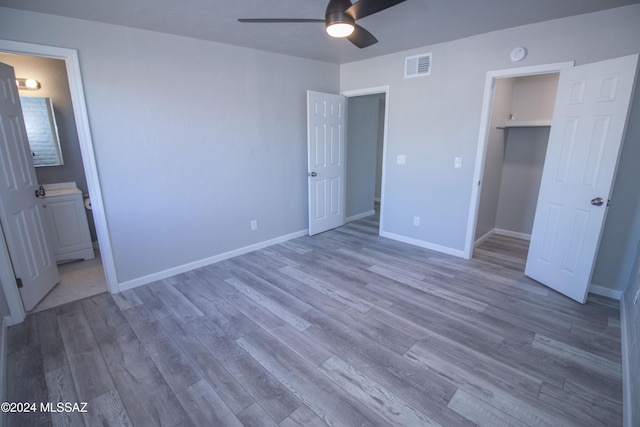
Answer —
(66, 222)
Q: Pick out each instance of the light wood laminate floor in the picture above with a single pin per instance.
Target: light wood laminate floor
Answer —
(343, 329)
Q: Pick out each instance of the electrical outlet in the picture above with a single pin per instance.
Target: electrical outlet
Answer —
(254, 225)
(635, 300)
(402, 159)
(416, 221)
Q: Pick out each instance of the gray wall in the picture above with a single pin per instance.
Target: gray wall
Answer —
(629, 275)
(193, 139)
(436, 118)
(52, 74)
(631, 322)
(534, 96)
(362, 152)
(631, 319)
(525, 150)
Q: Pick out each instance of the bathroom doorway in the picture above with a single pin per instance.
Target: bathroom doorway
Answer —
(79, 278)
(70, 58)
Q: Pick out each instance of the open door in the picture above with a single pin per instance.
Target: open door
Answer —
(20, 211)
(326, 131)
(587, 130)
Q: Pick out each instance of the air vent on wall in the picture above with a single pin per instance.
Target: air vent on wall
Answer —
(418, 65)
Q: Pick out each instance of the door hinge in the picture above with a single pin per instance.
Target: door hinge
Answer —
(19, 282)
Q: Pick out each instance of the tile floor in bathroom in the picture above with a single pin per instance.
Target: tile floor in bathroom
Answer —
(78, 280)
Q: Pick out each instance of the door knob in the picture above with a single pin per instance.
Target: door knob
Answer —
(598, 201)
(40, 192)
(313, 174)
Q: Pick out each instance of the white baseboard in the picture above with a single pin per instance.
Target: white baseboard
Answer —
(605, 292)
(206, 261)
(483, 238)
(360, 216)
(421, 243)
(514, 234)
(501, 232)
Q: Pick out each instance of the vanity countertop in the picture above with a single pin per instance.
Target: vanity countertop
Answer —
(61, 189)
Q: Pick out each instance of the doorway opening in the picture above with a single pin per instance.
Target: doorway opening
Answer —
(589, 121)
(83, 277)
(88, 164)
(520, 120)
(489, 128)
(366, 137)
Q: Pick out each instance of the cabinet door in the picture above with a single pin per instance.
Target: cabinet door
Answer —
(67, 225)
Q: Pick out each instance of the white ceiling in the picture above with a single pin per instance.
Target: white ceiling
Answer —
(408, 25)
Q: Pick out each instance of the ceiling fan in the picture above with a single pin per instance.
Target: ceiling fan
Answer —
(340, 19)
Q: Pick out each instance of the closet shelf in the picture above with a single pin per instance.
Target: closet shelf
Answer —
(525, 123)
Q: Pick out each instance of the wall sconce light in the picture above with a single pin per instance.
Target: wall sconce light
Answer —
(27, 84)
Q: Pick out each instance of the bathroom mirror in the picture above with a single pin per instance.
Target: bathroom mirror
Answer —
(42, 131)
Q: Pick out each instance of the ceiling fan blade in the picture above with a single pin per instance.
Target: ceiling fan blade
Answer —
(365, 8)
(362, 38)
(277, 20)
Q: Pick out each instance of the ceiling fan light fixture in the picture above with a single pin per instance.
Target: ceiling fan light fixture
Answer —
(337, 21)
(340, 29)
(340, 19)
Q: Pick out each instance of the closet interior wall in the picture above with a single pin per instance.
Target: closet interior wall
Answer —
(521, 113)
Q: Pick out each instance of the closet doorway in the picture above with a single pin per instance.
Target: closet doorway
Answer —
(521, 112)
(588, 124)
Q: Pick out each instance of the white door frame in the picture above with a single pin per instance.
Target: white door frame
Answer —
(481, 153)
(70, 56)
(376, 91)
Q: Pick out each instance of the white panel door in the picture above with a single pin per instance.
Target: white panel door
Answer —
(20, 211)
(588, 126)
(326, 131)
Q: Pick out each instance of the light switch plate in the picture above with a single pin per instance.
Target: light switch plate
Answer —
(457, 162)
